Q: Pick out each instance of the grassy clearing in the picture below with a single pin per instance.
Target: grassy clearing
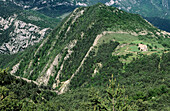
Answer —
(132, 40)
(134, 48)
(129, 39)
(131, 45)
(63, 16)
(122, 38)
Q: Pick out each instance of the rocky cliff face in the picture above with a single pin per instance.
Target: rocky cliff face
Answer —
(21, 28)
(19, 34)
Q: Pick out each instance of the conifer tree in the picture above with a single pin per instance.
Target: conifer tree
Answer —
(114, 100)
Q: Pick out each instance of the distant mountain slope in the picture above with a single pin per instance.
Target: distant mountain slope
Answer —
(161, 23)
(160, 9)
(53, 8)
(147, 8)
(20, 29)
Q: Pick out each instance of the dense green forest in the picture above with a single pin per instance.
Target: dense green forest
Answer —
(8, 9)
(102, 70)
(53, 8)
(104, 18)
(144, 81)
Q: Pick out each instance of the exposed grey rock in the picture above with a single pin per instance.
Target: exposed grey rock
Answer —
(21, 36)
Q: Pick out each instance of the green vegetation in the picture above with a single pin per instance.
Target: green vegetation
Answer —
(145, 84)
(122, 38)
(38, 19)
(7, 59)
(7, 9)
(129, 45)
(5, 35)
(143, 77)
(17, 94)
(134, 48)
(93, 22)
(53, 8)
(114, 100)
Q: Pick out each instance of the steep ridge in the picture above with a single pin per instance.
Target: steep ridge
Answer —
(62, 58)
(20, 29)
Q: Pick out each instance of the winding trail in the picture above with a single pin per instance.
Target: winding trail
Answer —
(31, 81)
(64, 87)
(25, 79)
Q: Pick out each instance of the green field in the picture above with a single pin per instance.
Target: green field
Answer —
(131, 40)
(121, 38)
(129, 45)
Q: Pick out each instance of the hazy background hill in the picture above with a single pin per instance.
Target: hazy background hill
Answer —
(147, 8)
(53, 8)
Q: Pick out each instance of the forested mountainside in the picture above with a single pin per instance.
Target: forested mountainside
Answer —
(147, 8)
(77, 59)
(145, 88)
(20, 29)
(52, 8)
(156, 11)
